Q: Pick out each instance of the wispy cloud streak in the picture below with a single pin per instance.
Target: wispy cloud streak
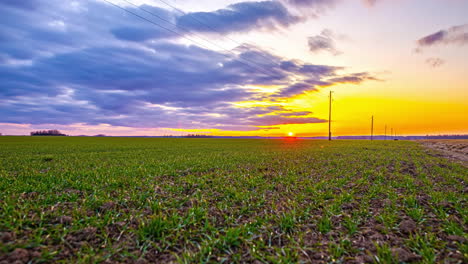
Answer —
(455, 35)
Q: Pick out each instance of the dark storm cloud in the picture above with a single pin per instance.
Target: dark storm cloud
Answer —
(239, 17)
(88, 62)
(454, 35)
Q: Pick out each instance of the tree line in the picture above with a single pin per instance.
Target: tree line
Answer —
(53, 132)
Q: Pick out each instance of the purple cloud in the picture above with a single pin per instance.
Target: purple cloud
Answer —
(312, 3)
(311, 8)
(454, 35)
(324, 42)
(240, 17)
(301, 87)
(23, 4)
(355, 78)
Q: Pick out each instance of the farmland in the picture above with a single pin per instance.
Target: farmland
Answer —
(456, 150)
(142, 200)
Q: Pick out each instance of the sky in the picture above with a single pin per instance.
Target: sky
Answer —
(233, 68)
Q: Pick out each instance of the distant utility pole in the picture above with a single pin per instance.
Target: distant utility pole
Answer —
(372, 129)
(330, 117)
(385, 132)
(391, 133)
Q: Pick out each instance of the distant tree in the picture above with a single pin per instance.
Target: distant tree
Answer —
(197, 136)
(53, 132)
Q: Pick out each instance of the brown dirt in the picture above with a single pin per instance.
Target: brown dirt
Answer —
(404, 256)
(456, 150)
(407, 226)
(21, 255)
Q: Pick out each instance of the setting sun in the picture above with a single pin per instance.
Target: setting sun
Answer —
(290, 134)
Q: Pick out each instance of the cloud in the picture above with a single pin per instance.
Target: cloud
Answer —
(324, 42)
(454, 35)
(435, 62)
(370, 2)
(318, 4)
(295, 114)
(301, 87)
(311, 8)
(23, 4)
(355, 78)
(141, 32)
(240, 17)
(321, 5)
(72, 65)
(281, 120)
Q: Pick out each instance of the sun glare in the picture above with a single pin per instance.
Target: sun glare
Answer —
(290, 134)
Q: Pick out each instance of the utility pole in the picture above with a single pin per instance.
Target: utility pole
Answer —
(330, 117)
(385, 132)
(391, 133)
(372, 129)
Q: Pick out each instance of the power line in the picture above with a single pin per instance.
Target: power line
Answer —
(175, 32)
(169, 22)
(183, 36)
(188, 31)
(207, 26)
(154, 23)
(193, 17)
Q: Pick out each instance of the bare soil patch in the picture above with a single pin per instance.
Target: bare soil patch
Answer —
(456, 150)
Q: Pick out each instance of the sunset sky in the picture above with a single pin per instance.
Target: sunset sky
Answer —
(237, 68)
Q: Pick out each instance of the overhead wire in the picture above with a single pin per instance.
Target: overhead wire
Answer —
(197, 35)
(243, 61)
(212, 29)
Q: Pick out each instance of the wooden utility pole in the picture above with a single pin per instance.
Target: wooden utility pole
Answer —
(372, 129)
(330, 117)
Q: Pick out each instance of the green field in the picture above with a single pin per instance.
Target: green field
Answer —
(65, 199)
